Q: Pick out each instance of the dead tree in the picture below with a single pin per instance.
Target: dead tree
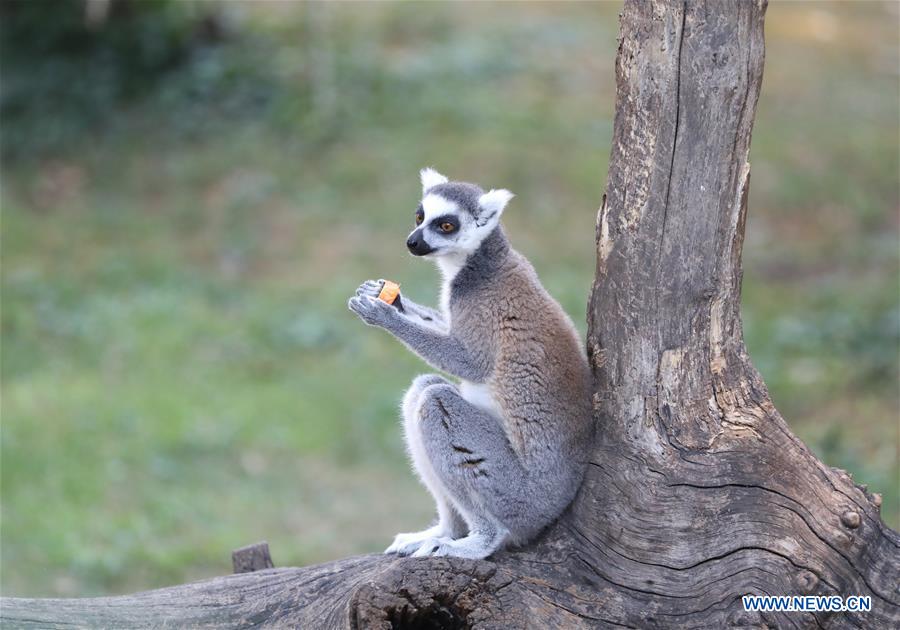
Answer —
(697, 492)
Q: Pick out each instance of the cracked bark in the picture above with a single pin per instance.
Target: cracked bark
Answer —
(698, 492)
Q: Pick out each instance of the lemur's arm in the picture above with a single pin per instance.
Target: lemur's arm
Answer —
(425, 313)
(438, 347)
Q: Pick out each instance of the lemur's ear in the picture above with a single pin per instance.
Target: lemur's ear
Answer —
(492, 204)
(431, 178)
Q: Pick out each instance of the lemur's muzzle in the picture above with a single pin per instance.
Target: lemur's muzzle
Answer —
(417, 245)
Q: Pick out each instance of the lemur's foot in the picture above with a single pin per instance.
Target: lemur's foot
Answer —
(428, 546)
(406, 544)
(474, 546)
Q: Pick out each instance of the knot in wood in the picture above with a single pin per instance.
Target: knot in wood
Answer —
(806, 582)
(842, 539)
(850, 519)
(744, 619)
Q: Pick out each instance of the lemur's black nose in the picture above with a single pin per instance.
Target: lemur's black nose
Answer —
(417, 245)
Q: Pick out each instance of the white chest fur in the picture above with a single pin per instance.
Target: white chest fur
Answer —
(445, 300)
(479, 394)
(449, 266)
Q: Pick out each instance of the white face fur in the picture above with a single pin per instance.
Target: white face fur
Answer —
(450, 248)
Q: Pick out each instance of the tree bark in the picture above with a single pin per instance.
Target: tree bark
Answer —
(697, 492)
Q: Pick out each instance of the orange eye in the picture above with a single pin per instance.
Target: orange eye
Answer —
(447, 227)
(419, 219)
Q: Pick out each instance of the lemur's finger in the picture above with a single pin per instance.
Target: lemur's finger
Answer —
(357, 305)
(368, 287)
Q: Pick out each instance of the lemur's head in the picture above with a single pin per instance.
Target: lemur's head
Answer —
(454, 217)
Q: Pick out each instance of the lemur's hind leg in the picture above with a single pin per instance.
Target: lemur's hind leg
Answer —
(470, 453)
(449, 524)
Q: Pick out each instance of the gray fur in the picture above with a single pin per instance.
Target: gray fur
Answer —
(463, 193)
(466, 196)
(504, 451)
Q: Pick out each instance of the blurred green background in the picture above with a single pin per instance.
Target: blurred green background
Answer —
(191, 191)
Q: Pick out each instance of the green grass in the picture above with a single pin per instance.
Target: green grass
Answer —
(180, 373)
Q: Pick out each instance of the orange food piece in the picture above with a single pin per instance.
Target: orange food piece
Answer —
(389, 292)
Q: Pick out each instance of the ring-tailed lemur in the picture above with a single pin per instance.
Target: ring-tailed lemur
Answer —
(503, 451)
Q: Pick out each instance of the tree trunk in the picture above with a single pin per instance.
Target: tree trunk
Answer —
(697, 492)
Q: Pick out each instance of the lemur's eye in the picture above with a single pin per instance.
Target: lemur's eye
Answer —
(446, 226)
(419, 219)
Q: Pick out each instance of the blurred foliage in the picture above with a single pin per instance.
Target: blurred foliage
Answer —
(190, 192)
(68, 66)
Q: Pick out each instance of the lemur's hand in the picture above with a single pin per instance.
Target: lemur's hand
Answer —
(370, 309)
(370, 287)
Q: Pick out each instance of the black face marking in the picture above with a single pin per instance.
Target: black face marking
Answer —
(437, 224)
(417, 245)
